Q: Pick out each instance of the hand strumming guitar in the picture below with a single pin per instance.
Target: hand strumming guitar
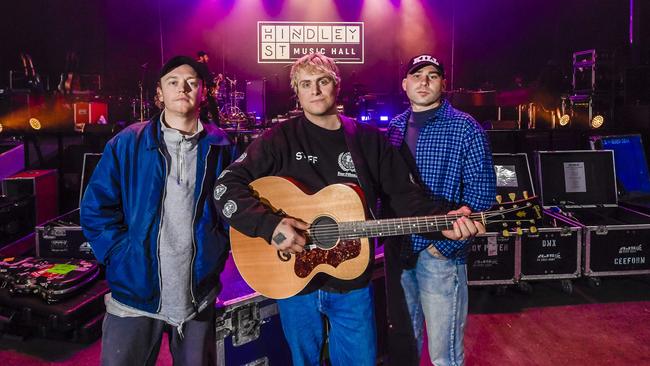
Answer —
(289, 236)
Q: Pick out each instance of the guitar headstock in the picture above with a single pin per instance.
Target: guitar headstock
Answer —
(516, 214)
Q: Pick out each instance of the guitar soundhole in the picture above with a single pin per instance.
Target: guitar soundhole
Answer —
(324, 232)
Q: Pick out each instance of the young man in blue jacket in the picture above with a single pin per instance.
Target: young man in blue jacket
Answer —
(150, 219)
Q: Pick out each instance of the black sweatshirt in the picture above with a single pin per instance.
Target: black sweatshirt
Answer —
(316, 158)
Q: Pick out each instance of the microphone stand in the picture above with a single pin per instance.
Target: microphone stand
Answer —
(140, 86)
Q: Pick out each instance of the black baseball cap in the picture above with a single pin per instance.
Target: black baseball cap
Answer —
(420, 61)
(177, 61)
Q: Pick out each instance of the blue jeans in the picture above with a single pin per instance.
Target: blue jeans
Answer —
(436, 289)
(352, 333)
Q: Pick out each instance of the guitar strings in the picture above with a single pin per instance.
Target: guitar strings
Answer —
(349, 235)
(419, 221)
(447, 219)
(336, 231)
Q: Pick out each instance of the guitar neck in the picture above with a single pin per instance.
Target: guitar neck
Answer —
(400, 226)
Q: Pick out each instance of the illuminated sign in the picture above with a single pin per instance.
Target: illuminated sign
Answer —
(284, 42)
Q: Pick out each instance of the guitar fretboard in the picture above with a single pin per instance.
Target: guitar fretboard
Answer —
(399, 226)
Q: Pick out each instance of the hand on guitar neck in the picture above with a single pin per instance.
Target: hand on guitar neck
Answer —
(463, 228)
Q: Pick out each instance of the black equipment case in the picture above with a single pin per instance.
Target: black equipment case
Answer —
(552, 252)
(493, 259)
(77, 319)
(59, 299)
(51, 279)
(42, 184)
(17, 217)
(582, 185)
(71, 286)
(62, 237)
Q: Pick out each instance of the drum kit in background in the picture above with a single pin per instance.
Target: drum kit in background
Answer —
(229, 99)
(232, 114)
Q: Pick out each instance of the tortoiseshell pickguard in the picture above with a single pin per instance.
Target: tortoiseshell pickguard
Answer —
(308, 260)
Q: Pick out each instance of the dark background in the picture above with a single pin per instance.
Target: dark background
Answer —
(491, 41)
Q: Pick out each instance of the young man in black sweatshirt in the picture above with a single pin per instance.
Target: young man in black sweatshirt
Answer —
(318, 149)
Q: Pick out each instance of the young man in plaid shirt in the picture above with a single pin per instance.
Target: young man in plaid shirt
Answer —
(451, 155)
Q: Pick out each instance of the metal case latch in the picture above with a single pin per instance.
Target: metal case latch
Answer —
(566, 231)
(247, 323)
(243, 323)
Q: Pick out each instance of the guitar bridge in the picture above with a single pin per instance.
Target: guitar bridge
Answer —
(310, 246)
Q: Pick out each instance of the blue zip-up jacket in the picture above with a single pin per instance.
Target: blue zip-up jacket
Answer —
(121, 214)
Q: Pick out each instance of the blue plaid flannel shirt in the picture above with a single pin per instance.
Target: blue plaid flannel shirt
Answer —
(454, 163)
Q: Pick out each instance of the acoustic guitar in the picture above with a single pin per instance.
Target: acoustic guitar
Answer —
(337, 240)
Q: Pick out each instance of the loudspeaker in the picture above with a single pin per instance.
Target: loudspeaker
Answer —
(16, 217)
(42, 184)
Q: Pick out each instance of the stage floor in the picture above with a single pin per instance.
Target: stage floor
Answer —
(606, 325)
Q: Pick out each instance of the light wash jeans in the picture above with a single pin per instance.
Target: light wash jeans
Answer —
(352, 332)
(436, 289)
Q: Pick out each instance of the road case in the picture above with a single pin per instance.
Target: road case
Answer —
(552, 252)
(581, 185)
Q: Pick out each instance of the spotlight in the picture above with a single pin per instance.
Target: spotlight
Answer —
(383, 118)
(597, 121)
(35, 123)
(1, 127)
(561, 117)
(564, 120)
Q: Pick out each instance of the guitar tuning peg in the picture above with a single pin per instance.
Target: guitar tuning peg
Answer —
(505, 233)
(525, 194)
(499, 198)
(519, 231)
(533, 229)
(512, 196)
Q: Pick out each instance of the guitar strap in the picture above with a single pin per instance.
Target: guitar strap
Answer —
(360, 165)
